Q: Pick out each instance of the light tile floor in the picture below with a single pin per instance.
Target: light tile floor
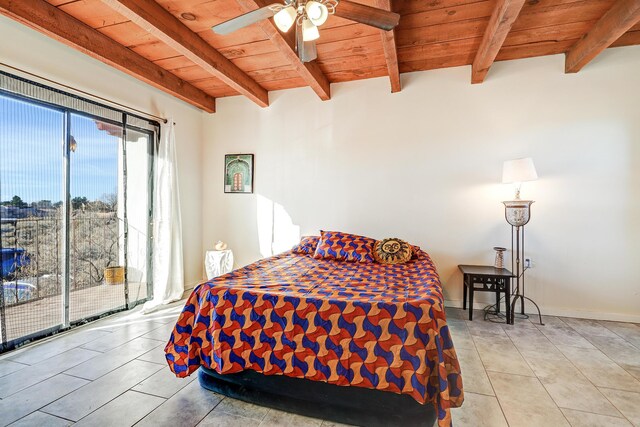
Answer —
(570, 372)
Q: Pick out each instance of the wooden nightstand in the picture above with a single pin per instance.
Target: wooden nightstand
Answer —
(486, 279)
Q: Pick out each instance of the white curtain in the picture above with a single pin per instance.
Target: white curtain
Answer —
(168, 274)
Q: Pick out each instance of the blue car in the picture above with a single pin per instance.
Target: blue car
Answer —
(12, 259)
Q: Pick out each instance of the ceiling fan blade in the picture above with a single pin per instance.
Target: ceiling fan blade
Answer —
(367, 15)
(307, 51)
(247, 19)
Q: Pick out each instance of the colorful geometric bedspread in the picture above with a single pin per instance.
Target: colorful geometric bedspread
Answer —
(367, 325)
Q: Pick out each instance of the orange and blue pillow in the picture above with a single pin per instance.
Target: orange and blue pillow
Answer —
(307, 245)
(340, 246)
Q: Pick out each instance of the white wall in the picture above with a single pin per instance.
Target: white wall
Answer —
(35, 53)
(425, 165)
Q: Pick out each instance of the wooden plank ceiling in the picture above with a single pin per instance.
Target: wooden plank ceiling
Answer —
(432, 34)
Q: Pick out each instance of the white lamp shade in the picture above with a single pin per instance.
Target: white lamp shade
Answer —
(309, 31)
(316, 12)
(285, 18)
(519, 170)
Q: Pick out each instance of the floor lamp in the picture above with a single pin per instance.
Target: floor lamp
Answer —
(517, 212)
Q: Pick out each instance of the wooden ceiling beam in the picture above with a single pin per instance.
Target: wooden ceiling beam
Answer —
(623, 15)
(390, 50)
(49, 20)
(160, 23)
(504, 15)
(310, 72)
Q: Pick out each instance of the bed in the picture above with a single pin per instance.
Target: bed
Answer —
(379, 329)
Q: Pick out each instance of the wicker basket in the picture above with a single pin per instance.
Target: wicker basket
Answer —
(114, 275)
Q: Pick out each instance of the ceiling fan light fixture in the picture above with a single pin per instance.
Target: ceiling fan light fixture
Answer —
(286, 18)
(309, 31)
(316, 12)
(307, 16)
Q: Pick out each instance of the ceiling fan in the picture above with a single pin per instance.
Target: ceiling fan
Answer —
(307, 16)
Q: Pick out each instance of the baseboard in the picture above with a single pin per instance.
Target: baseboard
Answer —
(189, 287)
(563, 312)
(458, 304)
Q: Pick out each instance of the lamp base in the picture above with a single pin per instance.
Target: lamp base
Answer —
(522, 298)
(517, 255)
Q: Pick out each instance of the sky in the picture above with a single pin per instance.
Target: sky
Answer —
(31, 161)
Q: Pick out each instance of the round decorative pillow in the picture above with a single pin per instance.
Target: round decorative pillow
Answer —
(392, 251)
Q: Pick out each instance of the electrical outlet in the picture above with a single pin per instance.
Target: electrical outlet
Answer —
(528, 263)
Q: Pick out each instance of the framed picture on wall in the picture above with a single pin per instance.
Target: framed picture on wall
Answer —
(238, 173)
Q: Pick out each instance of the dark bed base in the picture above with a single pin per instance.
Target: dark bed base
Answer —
(349, 405)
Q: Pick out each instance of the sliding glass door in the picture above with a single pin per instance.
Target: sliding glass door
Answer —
(96, 230)
(31, 212)
(75, 215)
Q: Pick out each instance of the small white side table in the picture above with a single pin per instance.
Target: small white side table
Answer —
(217, 263)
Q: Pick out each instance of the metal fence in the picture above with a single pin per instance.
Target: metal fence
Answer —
(31, 253)
(31, 274)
